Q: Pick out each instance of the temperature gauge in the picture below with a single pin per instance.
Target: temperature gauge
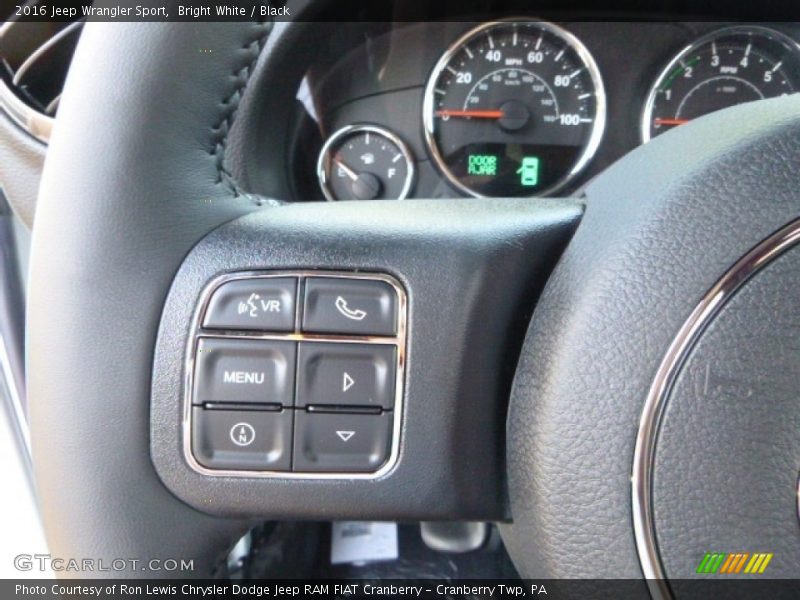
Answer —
(365, 162)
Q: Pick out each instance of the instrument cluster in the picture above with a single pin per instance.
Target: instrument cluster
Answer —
(522, 107)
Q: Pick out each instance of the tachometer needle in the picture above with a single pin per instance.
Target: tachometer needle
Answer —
(347, 170)
(478, 114)
(660, 121)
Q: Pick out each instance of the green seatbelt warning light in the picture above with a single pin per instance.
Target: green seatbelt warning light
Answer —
(529, 171)
(482, 164)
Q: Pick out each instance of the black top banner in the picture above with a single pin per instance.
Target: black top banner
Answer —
(148, 11)
(392, 10)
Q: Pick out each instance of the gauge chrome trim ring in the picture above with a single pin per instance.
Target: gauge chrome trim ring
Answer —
(647, 110)
(598, 126)
(196, 331)
(658, 395)
(323, 162)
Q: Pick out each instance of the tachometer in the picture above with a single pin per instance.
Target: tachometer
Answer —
(727, 67)
(514, 108)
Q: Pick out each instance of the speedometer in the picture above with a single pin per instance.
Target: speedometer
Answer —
(514, 108)
(724, 68)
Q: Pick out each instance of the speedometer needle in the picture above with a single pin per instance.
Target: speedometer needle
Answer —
(478, 114)
(660, 121)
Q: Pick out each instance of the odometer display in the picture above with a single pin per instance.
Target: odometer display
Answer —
(514, 108)
(725, 68)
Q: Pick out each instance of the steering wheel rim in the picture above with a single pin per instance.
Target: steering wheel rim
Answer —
(661, 227)
(122, 205)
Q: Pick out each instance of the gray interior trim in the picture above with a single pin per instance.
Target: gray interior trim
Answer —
(38, 125)
(21, 163)
(12, 319)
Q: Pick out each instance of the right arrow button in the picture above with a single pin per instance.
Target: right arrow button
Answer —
(347, 381)
(346, 375)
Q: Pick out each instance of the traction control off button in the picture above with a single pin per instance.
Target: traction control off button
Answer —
(249, 440)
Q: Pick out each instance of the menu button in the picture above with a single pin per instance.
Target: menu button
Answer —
(251, 371)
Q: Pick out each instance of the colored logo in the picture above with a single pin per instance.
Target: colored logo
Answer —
(734, 563)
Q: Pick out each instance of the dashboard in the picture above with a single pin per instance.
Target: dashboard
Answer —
(511, 106)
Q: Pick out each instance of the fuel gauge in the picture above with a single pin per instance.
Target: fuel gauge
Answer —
(365, 162)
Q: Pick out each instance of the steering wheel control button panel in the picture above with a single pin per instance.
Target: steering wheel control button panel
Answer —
(339, 442)
(361, 375)
(244, 371)
(247, 440)
(253, 304)
(349, 306)
(303, 389)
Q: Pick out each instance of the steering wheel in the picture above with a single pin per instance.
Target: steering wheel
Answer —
(614, 377)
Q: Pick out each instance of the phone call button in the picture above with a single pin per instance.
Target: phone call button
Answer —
(349, 306)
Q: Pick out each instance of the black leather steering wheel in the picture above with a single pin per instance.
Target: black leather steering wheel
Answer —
(137, 213)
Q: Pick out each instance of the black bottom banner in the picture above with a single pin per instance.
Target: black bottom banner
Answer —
(429, 589)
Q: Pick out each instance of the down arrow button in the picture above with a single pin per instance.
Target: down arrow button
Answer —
(345, 435)
(341, 442)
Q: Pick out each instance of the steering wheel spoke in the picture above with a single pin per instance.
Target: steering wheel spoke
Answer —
(456, 281)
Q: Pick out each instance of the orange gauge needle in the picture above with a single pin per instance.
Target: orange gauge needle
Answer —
(345, 169)
(478, 114)
(660, 121)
